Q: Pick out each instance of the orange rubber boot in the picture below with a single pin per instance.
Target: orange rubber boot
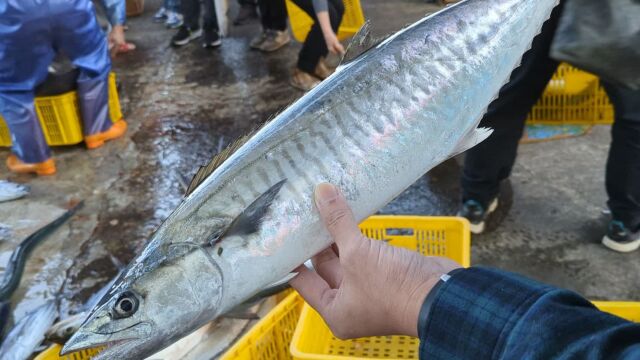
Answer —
(16, 165)
(97, 140)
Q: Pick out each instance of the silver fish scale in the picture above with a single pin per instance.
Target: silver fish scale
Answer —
(372, 128)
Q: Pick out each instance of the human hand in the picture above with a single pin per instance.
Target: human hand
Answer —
(365, 287)
(117, 42)
(333, 44)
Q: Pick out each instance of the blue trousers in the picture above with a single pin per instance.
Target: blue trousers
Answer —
(31, 32)
(172, 5)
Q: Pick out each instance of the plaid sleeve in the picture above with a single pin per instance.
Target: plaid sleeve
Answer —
(483, 313)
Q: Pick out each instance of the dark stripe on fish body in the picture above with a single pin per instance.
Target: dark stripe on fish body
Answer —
(278, 167)
(329, 145)
(296, 168)
(249, 184)
(331, 148)
(264, 176)
(312, 158)
(347, 134)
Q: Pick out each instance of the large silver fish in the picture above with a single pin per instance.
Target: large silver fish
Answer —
(373, 128)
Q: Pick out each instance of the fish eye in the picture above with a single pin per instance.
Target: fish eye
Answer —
(125, 306)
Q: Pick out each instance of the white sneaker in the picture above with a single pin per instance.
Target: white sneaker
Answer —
(160, 15)
(174, 20)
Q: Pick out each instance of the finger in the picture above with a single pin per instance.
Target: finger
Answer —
(313, 289)
(337, 216)
(340, 49)
(327, 264)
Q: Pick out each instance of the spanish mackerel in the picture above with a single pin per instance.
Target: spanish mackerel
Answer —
(373, 128)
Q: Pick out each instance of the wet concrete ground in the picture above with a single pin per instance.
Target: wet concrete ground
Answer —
(184, 105)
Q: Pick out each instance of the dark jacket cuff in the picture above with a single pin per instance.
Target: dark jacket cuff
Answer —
(471, 310)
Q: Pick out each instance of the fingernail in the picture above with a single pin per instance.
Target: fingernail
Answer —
(325, 194)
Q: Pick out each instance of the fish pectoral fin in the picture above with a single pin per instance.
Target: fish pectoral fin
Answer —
(362, 42)
(248, 222)
(241, 315)
(472, 139)
(280, 284)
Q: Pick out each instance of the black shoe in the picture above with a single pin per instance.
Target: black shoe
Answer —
(185, 35)
(211, 39)
(247, 14)
(477, 214)
(620, 238)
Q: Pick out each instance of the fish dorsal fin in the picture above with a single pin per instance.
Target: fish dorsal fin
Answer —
(217, 160)
(249, 220)
(361, 43)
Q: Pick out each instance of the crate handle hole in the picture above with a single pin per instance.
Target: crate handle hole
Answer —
(399, 232)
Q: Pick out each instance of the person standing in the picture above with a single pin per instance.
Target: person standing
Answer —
(322, 39)
(169, 13)
(247, 13)
(491, 162)
(273, 15)
(117, 15)
(191, 30)
(30, 34)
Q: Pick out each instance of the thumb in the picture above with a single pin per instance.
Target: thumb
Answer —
(337, 215)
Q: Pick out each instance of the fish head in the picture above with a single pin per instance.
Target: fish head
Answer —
(156, 301)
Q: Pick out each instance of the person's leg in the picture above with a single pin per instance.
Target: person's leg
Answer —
(210, 25)
(25, 54)
(80, 38)
(623, 169)
(490, 162)
(277, 15)
(210, 19)
(190, 28)
(263, 7)
(247, 12)
(173, 17)
(314, 47)
(191, 13)
(29, 144)
(275, 34)
(172, 5)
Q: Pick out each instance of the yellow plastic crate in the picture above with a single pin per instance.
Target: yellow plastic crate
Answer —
(573, 97)
(627, 310)
(432, 236)
(270, 337)
(301, 23)
(60, 117)
(53, 353)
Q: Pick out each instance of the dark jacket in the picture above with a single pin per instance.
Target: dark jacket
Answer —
(483, 313)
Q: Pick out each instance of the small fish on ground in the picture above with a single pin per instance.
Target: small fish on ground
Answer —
(15, 267)
(12, 191)
(28, 333)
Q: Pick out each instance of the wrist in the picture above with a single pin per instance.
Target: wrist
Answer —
(415, 300)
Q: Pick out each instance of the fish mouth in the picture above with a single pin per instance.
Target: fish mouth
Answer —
(115, 342)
